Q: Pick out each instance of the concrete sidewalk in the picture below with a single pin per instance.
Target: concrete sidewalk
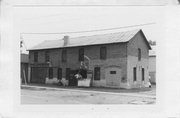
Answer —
(124, 92)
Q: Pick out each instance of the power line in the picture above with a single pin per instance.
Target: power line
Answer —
(92, 30)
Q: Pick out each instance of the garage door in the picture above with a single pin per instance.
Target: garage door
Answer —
(38, 74)
(113, 76)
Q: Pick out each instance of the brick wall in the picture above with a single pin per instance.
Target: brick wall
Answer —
(116, 55)
(132, 47)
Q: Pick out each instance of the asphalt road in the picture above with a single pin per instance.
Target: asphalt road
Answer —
(61, 96)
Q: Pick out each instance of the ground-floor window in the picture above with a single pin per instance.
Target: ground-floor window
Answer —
(50, 73)
(97, 73)
(59, 73)
(142, 74)
(134, 74)
(68, 73)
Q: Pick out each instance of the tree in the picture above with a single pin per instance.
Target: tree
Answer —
(21, 43)
(152, 42)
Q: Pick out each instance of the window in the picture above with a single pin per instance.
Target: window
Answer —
(60, 73)
(35, 56)
(68, 73)
(50, 73)
(134, 73)
(103, 53)
(81, 54)
(112, 72)
(47, 58)
(64, 56)
(142, 74)
(97, 73)
(139, 54)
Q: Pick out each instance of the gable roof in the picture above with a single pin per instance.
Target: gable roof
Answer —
(119, 37)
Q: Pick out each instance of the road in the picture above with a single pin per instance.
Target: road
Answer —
(68, 96)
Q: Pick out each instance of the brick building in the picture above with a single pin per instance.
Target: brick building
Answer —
(117, 60)
(152, 65)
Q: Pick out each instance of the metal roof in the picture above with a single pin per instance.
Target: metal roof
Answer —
(88, 40)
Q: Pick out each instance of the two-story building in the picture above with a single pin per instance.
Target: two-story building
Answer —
(117, 60)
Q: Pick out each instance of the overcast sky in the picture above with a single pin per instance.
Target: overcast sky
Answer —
(72, 19)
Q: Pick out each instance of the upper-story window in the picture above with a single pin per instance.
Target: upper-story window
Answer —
(47, 57)
(81, 54)
(35, 56)
(64, 55)
(139, 54)
(103, 53)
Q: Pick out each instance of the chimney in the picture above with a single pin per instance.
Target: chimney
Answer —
(66, 40)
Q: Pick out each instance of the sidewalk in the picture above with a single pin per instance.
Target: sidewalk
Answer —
(138, 92)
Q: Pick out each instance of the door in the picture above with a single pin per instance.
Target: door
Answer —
(38, 74)
(113, 76)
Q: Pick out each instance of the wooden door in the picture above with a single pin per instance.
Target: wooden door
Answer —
(38, 74)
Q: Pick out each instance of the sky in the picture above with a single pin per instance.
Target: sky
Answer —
(73, 19)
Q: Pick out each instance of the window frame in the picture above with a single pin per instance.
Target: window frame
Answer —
(50, 73)
(35, 56)
(96, 76)
(64, 55)
(134, 74)
(59, 76)
(81, 54)
(143, 74)
(68, 72)
(139, 54)
(103, 53)
(47, 56)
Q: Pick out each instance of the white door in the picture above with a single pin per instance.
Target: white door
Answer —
(113, 76)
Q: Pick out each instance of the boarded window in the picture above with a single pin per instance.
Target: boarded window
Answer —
(50, 73)
(103, 53)
(134, 74)
(35, 56)
(47, 57)
(139, 54)
(64, 55)
(97, 73)
(112, 72)
(81, 54)
(68, 72)
(60, 73)
(142, 74)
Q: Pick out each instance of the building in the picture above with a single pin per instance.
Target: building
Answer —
(24, 67)
(152, 65)
(118, 60)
